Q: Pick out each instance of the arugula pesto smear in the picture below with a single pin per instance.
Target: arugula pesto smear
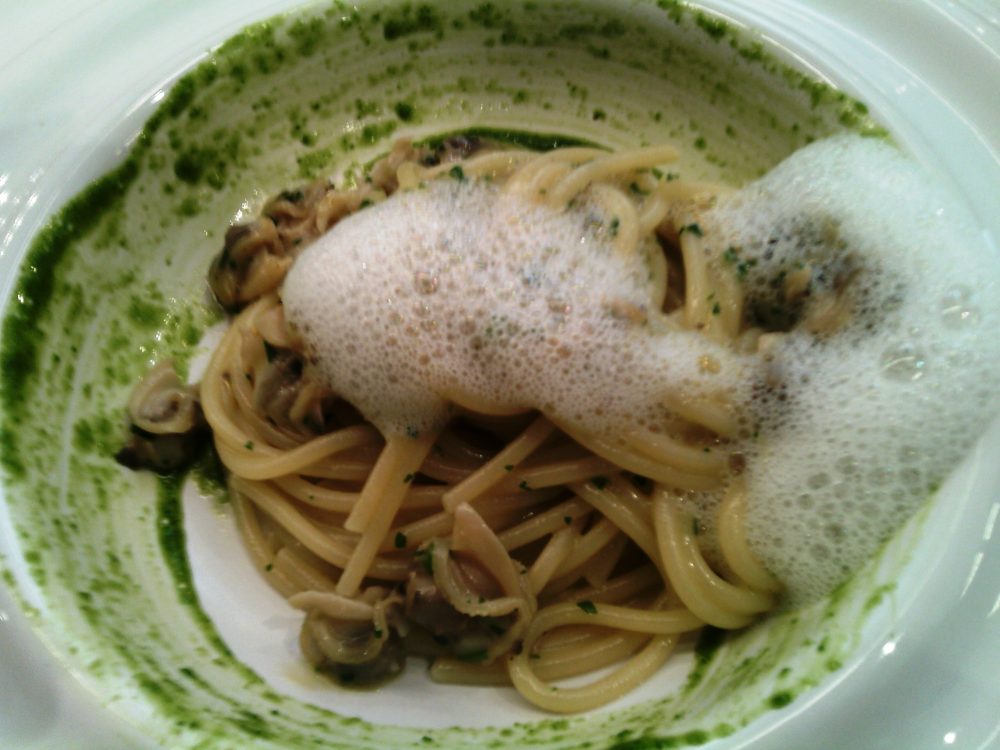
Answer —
(116, 281)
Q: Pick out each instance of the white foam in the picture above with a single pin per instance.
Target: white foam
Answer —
(874, 417)
(456, 289)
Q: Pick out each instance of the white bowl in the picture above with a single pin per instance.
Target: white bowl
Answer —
(918, 669)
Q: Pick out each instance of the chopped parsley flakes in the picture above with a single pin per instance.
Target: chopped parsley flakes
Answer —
(479, 655)
(425, 556)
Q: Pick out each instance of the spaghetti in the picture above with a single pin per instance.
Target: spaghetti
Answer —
(508, 542)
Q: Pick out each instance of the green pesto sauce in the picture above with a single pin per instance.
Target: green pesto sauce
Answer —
(116, 280)
(709, 641)
(170, 525)
(33, 294)
(520, 138)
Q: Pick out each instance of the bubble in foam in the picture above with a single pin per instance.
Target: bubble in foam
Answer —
(903, 361)
(957, 307)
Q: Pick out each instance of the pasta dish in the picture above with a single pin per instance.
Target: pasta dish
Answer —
(501, 409)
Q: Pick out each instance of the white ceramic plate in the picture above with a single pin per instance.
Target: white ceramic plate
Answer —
(80, 80)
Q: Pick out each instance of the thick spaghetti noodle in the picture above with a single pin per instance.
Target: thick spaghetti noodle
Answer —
(503, 544)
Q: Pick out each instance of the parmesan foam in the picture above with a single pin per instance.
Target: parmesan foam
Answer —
(456, 291)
